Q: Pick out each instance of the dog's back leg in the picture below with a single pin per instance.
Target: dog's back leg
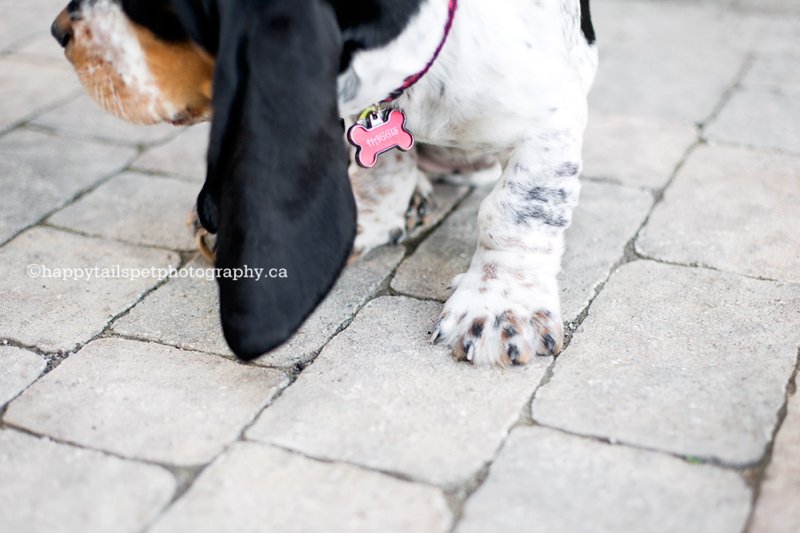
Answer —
(390, 198)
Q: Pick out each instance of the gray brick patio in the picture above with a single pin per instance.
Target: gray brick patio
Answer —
(673, 408)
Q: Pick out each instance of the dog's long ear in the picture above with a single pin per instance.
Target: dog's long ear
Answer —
(277, 190)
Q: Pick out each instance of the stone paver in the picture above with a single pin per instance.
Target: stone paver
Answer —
(18, 28)
(146, 401)
(381, 395)
(606, 219)
(82, 117)
(688, 361)
(18, 369)
(55, 488)
(260, 488)
(595, 242)
(769, 6)
(41, 172)
(544, 480)
(357, 285)
(44, 85)
(654, 418)
(446, 197)
(777, 510)
(778, 74)
(778, 35)
(670, 60)
(443, 255)
(760, 118)
(634, 151)
(183, 157)
(731, 209)
(185, 312)
(58, 314)
(140, 209)
(27, 21)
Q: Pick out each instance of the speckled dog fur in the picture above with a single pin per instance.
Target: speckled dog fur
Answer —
(510, 83)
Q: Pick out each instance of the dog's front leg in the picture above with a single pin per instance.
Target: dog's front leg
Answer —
(506, 308)
(391, 199)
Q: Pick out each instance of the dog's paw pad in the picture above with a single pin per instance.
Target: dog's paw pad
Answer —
(491, 330)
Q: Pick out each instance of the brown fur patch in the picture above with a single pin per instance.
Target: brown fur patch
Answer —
(489, 272)
(182, 75)
(183, 72)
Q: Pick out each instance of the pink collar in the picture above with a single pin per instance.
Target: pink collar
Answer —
(414, 78)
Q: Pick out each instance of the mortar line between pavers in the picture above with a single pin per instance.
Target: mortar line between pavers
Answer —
(760, 473)
(629, 253)
(54, 359)
(727, 94)
(81, 233)
(231, 359)
(424, 299)
(702, 266)
(70, 201)
(14, 47)
(412, 244)
(454, 500)
(739, 8)
(393, 475)
(99, 139)
(461, 495)
(456, 495)
(658, 194)
(180, 474)
(610, 180)
(741, 468)
(185, 476)
(189, 481)
(292, 374)
(126, 167)
(151, 173)
(66, 442)
(4, 407)
(766, 150)
(33, 115)
(198, 470)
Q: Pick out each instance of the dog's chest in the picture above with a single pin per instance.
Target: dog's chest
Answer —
(502, 70)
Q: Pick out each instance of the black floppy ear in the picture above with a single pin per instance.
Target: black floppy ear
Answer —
(277, 190)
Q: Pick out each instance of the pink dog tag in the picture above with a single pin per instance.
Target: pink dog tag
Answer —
(377, 135)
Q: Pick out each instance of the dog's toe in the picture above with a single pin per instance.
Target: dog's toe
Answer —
(507, 329)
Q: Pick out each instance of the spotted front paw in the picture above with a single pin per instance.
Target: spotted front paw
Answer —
(510, 323)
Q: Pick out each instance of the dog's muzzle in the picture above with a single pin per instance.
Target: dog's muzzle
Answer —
(61, 28)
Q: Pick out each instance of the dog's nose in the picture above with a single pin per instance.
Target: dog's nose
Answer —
(62, 33)
(62, 26)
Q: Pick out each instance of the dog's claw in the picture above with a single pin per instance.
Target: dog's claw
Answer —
(202, 238)
(437, 331)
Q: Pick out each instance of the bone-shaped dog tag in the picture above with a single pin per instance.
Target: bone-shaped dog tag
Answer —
(377, 135)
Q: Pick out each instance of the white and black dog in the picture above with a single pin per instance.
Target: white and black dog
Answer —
(504, 82)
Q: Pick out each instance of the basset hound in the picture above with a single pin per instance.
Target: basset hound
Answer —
(480, 85)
